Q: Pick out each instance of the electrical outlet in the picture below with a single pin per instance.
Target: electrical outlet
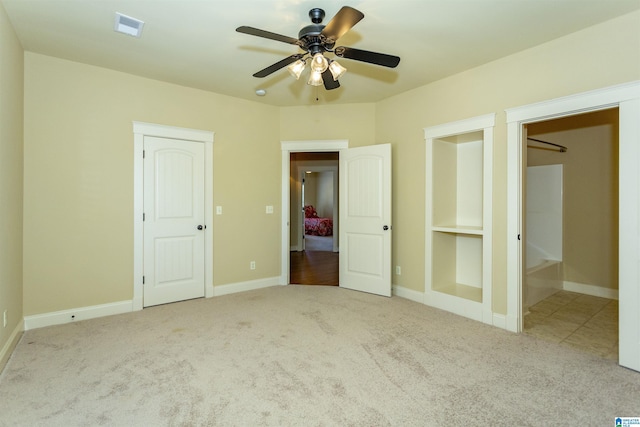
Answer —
(4, 319)
(398, 270)
(252, 265)
(269, 209)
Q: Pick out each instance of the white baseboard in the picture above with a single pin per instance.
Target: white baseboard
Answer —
(11, 343)
(499, 321)
(511, 324)
(75, 314)
(208, 291)
(409, 294)
(596, 291)
(233, 288)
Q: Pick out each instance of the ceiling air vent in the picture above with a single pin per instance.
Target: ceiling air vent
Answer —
(128, 25)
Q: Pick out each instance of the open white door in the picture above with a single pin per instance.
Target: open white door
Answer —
(174, 225)
(629, 232)
(365, 219)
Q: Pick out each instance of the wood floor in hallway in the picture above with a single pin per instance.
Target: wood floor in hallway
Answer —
(314, 268)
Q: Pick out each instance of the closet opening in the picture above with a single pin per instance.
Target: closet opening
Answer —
(571, 231)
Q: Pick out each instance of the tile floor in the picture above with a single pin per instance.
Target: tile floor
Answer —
(582, 321)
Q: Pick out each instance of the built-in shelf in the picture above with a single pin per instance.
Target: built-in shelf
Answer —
(458, 217)
(468, 229)
(461, 291)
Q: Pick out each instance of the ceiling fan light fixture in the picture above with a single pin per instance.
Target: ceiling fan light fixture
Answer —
(319, 63)
(296, 68)
(315, 78)
(337, 70)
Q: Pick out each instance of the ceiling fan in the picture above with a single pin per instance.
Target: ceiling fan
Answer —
(315, 40)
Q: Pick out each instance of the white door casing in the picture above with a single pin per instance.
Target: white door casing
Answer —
(627, 98)
(140, 131)
(365, 219)
(287, 148)
(173, 220)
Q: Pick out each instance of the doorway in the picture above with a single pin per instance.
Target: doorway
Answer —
(365, 219)
(140, 132)
(314, 257)
(570, 283)
(626, 97)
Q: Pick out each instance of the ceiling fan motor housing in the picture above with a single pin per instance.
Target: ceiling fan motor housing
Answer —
(312, 40)
(317, 15)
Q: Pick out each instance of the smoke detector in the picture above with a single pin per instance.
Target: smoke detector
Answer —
(128, 25)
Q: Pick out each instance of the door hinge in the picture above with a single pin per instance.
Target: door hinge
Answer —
(143, 216)
(518, 237)
(143, 153)
(143, 280)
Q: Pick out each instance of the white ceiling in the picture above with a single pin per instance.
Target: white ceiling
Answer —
(194, 42)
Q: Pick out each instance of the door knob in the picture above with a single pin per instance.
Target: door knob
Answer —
(385, 228)
(199, 227)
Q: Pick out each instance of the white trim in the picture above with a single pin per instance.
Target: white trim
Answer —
(599, 99)
(406, 293)
(76, 314)
(500, 321)
(140, 130)
(460, 126)
(289, 147)
(596, 291)
(250, 285)
(10, 345)
(208, 216)
(321, 145)
(627, 98)
(173, 132)
(481, 311)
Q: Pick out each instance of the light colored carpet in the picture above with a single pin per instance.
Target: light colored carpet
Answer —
(318, 243)
(308, 356)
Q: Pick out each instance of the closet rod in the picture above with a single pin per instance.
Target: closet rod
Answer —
(562, 148)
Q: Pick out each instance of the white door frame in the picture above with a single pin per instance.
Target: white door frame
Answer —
(627, 98)
(289, 147)
(312, 166)
(140, 130)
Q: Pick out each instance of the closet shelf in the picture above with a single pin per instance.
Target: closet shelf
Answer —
(459, 229)
(459, 290)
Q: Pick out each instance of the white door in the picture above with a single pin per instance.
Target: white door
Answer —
(173, 220)
(365, 219)
(629, 235)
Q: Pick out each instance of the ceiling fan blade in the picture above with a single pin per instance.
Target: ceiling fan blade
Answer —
(377, 58)
(278, 65)
(267, 35)
(344, 20)
(329, 83)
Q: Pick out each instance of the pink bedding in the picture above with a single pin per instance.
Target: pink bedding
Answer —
(316, 226)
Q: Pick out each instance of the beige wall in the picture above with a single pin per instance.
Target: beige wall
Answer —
(590, 192)
(324, 197)
(11, 173)
(78, 207)
(355, 122)
(599, 56)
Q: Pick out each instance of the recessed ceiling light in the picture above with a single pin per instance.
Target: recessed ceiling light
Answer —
(261, 92)
(128, 25)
